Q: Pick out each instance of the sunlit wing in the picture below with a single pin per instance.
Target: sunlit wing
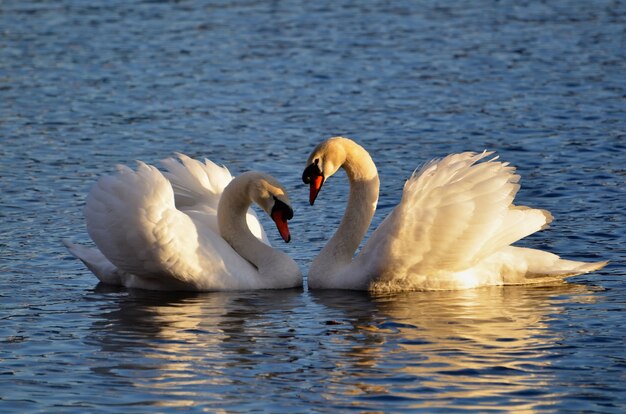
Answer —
(454, 213)
(132, 218)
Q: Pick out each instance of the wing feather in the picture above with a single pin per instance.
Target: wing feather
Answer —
(195, 183)
(454, 213)
(131, 216)
(197, 190)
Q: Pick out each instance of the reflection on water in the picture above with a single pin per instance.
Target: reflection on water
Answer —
(188, 346)
(468, 349)
(462, 350)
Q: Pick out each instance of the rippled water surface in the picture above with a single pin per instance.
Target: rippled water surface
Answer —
(255, 85)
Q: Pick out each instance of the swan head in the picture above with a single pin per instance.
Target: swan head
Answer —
(323, 162)
(272, 197)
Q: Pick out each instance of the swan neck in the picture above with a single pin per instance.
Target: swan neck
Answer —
(364, 188)
(231, 215)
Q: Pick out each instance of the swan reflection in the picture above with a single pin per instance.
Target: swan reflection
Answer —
(190, 346)
(466, 349)
(447, 348)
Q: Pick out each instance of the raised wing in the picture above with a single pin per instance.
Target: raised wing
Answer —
(196, 185)
(197, 190)
(132, 218)
(454, 213)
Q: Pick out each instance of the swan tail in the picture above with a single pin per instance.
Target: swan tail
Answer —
(519, 265)
(96, 262)
(195, 182)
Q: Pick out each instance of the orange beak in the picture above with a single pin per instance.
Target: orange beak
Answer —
(280, 218)
(315, 187)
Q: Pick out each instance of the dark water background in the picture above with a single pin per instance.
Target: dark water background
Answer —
(255, 85)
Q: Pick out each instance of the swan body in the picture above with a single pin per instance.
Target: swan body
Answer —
(190, 228)
(452, 229)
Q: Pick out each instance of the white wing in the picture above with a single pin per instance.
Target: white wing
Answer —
(132, 218)
(453, 214)
(198, 188)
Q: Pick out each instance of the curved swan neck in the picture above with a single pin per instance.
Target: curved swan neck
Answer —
(364, 187)
(231, 217)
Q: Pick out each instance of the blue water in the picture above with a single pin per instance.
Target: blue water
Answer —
(255, 85)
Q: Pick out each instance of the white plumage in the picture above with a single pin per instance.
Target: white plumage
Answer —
(452, 229)
(161, 231)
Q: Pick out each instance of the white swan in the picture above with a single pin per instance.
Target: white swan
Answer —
(189, 231)
(451, 230)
